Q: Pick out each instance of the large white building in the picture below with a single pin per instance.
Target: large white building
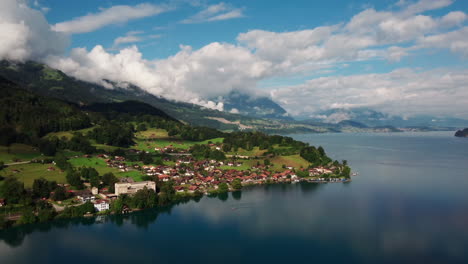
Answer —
(133, 187)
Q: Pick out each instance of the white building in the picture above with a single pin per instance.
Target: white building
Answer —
(132, 188)
(101, 205)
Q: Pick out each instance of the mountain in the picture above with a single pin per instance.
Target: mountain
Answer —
(372, 118)
(26, 116)
(133, 108)
(245, 104)
(46, 81)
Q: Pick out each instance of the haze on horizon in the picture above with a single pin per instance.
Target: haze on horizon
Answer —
(400, 57)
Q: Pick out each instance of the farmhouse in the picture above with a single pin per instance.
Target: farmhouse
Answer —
(131, 188)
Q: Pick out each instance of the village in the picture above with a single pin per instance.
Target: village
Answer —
(190, 176)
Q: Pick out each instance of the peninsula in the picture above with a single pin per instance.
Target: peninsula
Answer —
(462, 133)
(60, 160)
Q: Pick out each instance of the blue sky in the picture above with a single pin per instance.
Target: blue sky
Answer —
(399, 56)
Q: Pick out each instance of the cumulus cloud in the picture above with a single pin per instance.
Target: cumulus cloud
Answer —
(189, 76)
(216, 12)
(398, 92)
(26, 34)
(364, 37)
(109, 16)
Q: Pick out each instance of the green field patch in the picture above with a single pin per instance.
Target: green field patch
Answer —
(152, 133)
(27, 173)
(255, 152)
(135, 175)
(19, 152)
(158, 138)
(51, 74)
(99, 164)
(68, 134)
(104, 147)
(295, 161)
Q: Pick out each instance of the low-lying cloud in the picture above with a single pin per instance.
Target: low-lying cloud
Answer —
(399, 92)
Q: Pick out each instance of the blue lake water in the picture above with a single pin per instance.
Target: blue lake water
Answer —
(409, 204)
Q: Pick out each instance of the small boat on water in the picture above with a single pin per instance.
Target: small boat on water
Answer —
(354, 174)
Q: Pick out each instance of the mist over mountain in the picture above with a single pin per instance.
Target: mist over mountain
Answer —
(256, 106)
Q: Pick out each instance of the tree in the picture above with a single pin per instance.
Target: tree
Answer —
(223, 187)
(302, 174)
(27, 217)
(110, 180)
(95, 180)
(87, 173)
(217, 155)
(3, 222)
(321, 151)
(267, 162)
(45, 215)
(2, 165)
(12, 190)
(346, 172)
(74, 178)
(42, 188)
(62, 162)
(145, 198)
(47, 147)
(236, 184)
(142, 127)
(118, 205)
(60, 194)
(146, 158)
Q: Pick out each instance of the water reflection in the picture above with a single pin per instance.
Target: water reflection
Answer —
(388, 214)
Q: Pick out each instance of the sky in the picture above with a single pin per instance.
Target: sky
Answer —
(403, 57)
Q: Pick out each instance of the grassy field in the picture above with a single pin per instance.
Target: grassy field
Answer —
(18, 152)
(68, 134)
(295, 161)
(251, 153)
(159, 138)
(28, 172)
(101, 167)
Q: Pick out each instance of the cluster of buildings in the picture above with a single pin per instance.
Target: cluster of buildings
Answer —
(192, 176)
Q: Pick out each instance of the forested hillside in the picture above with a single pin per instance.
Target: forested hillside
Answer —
(26, 117)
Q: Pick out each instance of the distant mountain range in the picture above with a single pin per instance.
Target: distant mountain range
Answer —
(242, 111)
(365, 117)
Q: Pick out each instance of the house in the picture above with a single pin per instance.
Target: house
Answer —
(84, 195)
(101, 205)
(132, 188)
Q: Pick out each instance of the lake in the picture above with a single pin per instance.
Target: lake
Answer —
(409, 204)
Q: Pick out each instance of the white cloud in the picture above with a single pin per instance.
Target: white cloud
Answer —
(216, 12)
(109, 16)
(401, 91)
(188, 76)
(218, 68)
(26, 34)
(425, 5)
(130, 37)
(456, 41)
